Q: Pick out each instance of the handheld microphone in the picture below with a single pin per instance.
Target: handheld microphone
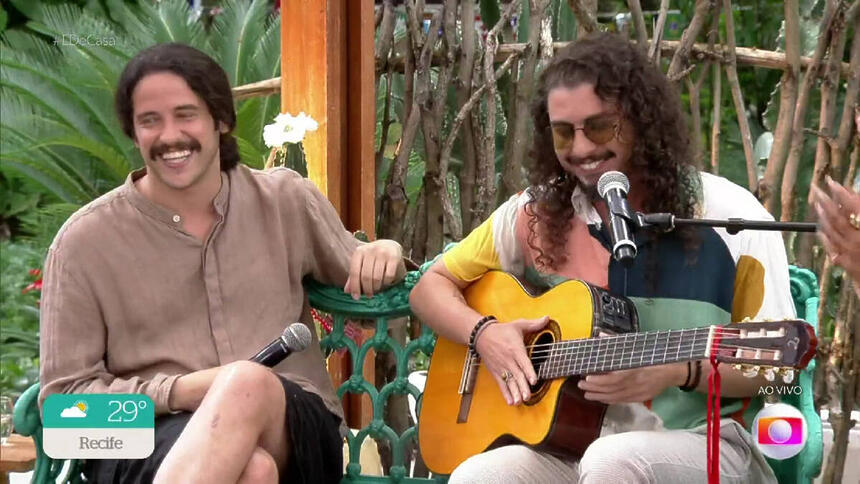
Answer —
(613, 187)
(296, 337)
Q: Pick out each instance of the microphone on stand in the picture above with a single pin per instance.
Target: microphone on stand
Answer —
(296, 337)
(612, 188)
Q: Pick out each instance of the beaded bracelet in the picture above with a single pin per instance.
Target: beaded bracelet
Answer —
(688, 385)
(689, 374)
(473, 338)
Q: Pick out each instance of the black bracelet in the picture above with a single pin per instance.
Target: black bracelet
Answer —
(696, 377)
(687, 381)
(473, 338)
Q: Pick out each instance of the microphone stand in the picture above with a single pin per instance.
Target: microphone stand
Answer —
(667, 222)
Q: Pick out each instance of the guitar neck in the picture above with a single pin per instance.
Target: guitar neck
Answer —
(621, 352)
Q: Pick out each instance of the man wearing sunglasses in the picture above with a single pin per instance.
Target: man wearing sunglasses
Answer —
(601, 105)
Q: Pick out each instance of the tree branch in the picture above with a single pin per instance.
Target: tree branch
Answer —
(518, 121)
(682, 54)
(737, 97)
(653, 52)
(485, 200)
(463, 81)
(716, 90)
(846, 124)
(639, 21)
(584, 17)
(787, 103)
(797, 138)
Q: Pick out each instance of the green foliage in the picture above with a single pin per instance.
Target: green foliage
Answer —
(490, 12)
(19, 316)
(563, 21)
(4, 19)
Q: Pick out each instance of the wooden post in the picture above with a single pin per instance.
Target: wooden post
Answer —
(327, 71)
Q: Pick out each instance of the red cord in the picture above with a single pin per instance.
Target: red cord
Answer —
(713, 418)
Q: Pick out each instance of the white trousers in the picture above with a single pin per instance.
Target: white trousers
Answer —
(656, 456)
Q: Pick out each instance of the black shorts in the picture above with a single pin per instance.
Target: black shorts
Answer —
(316, 446)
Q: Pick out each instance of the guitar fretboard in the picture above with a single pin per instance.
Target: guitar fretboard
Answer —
(621, 352)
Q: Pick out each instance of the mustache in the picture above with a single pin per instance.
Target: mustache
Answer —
(162, 148)
(580, 160)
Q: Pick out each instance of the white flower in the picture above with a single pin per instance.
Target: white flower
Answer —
(288, 129)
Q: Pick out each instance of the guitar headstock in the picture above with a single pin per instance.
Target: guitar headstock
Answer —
(769, 348)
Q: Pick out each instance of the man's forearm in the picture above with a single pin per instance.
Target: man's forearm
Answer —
(439, 302)
(733, 383)
(188, 390)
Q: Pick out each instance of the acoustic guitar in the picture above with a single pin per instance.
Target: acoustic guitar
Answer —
(463, 412)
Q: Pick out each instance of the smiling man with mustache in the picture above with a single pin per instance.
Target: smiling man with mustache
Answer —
(602, 106)
(166, 285)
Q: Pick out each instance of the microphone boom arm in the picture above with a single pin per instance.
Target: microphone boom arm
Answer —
(667, 222)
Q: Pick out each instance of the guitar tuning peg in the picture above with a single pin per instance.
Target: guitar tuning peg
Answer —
(769, 374)
(746, 319)
(749, 371)
(788, 375)
(738, 367)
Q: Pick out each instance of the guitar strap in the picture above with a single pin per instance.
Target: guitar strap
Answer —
(713, 419)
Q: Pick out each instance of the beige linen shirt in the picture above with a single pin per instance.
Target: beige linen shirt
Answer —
(131, 301)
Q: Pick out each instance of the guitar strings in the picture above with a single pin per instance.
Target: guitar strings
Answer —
(590, 353)
(569, 359)
(684, 346)
(682, 333)
(632, 338)
(587, 344)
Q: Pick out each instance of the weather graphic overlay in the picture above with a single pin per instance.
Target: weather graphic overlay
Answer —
(98, 426)
(780, 431)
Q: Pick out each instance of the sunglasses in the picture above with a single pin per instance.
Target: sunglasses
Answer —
(600, 129)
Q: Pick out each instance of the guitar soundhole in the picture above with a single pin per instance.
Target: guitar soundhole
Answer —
(539, 353)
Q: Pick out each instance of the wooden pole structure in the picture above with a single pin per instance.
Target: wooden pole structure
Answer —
(327, 71)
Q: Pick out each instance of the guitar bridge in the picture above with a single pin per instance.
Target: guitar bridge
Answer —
(467, 384)
(470, 370)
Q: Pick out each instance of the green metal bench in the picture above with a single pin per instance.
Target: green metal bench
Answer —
(394, 303)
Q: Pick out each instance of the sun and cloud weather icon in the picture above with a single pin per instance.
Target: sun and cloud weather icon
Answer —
(78, 410)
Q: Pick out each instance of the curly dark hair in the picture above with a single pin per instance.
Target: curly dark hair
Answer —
(622, 74)
(205, 77)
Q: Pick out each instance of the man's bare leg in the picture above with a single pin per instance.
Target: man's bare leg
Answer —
(242, 411)
(261, 469)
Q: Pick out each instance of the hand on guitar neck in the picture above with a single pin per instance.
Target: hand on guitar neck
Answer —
(634, 385)
(503, 352)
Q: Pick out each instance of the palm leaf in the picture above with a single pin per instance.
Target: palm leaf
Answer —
(43, 173)
(171, 21)
(90, 163)
(44, 85)
(237, 35)
(65, 171)
(249, 153)
(267, 58)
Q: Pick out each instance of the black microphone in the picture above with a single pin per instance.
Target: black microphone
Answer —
(613, 187)
(296, 337)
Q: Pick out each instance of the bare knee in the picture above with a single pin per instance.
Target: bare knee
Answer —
(261, 468)
(250, 383)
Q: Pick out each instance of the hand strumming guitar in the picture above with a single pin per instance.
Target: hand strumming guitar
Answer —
(504, 354)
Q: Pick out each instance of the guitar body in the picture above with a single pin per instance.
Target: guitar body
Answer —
(557, 417)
